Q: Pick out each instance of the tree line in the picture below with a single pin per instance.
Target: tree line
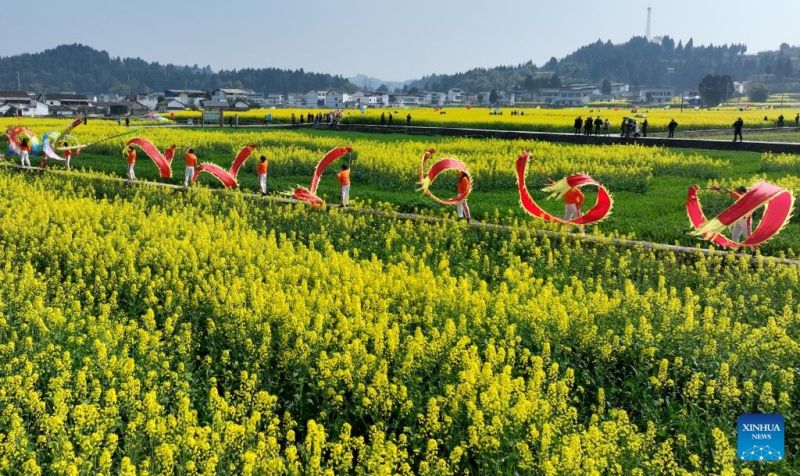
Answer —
(638, 62)
(84, 69)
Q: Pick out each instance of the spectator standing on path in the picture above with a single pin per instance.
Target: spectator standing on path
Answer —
(294, 119)
(578, 125)
(598, 123)
(737, 129)
(780, 121)
(383, 118)
(191, 162)
(644, 128)
(587, 126)
(408, 119)
(390, 118)
(127, 121)
(671, 128)
(606, 127)
(797, 120)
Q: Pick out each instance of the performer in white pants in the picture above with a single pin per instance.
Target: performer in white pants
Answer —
(571, 211)
(742, 228)
(188, 174)
(131, 162)
(261, 170)
(24, 153)
(344, 181)
(67, 156)
(191, 162)
(462, 210)
(463, 187)
(573, 200)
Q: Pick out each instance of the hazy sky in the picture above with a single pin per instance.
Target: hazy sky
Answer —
(393, 41)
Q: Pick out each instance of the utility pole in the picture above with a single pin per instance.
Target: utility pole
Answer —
(19, 83)
(647, 29)
(129, 85)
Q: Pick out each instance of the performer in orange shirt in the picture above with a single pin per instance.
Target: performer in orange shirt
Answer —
(261, 170)
(191, 162)
(573, 200)
(131, 162)
(462, 208)
(344, 181)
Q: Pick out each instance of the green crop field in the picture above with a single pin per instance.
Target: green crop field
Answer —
(645, 182)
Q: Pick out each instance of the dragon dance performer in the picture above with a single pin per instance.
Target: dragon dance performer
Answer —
(67, 155)
(24, 152)
(261, 170)
(743, 227)
(131, 162)
(462, 209)
(191, 162)
(573, 200)
(344, 181)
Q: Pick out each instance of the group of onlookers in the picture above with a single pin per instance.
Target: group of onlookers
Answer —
(316, 119)
(591, 126)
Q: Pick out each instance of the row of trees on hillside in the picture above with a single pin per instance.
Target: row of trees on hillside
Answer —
(81, 68)
(637, 62)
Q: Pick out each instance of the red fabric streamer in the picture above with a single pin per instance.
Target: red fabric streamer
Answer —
(309, 194)
(427, 179)
(778, 204)
(226, 177)
(163, 162)
(600, 211)
(72, 125)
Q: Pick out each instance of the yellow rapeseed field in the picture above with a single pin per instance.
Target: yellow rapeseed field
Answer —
(392, 163)
(547, 120)
(160, 332)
